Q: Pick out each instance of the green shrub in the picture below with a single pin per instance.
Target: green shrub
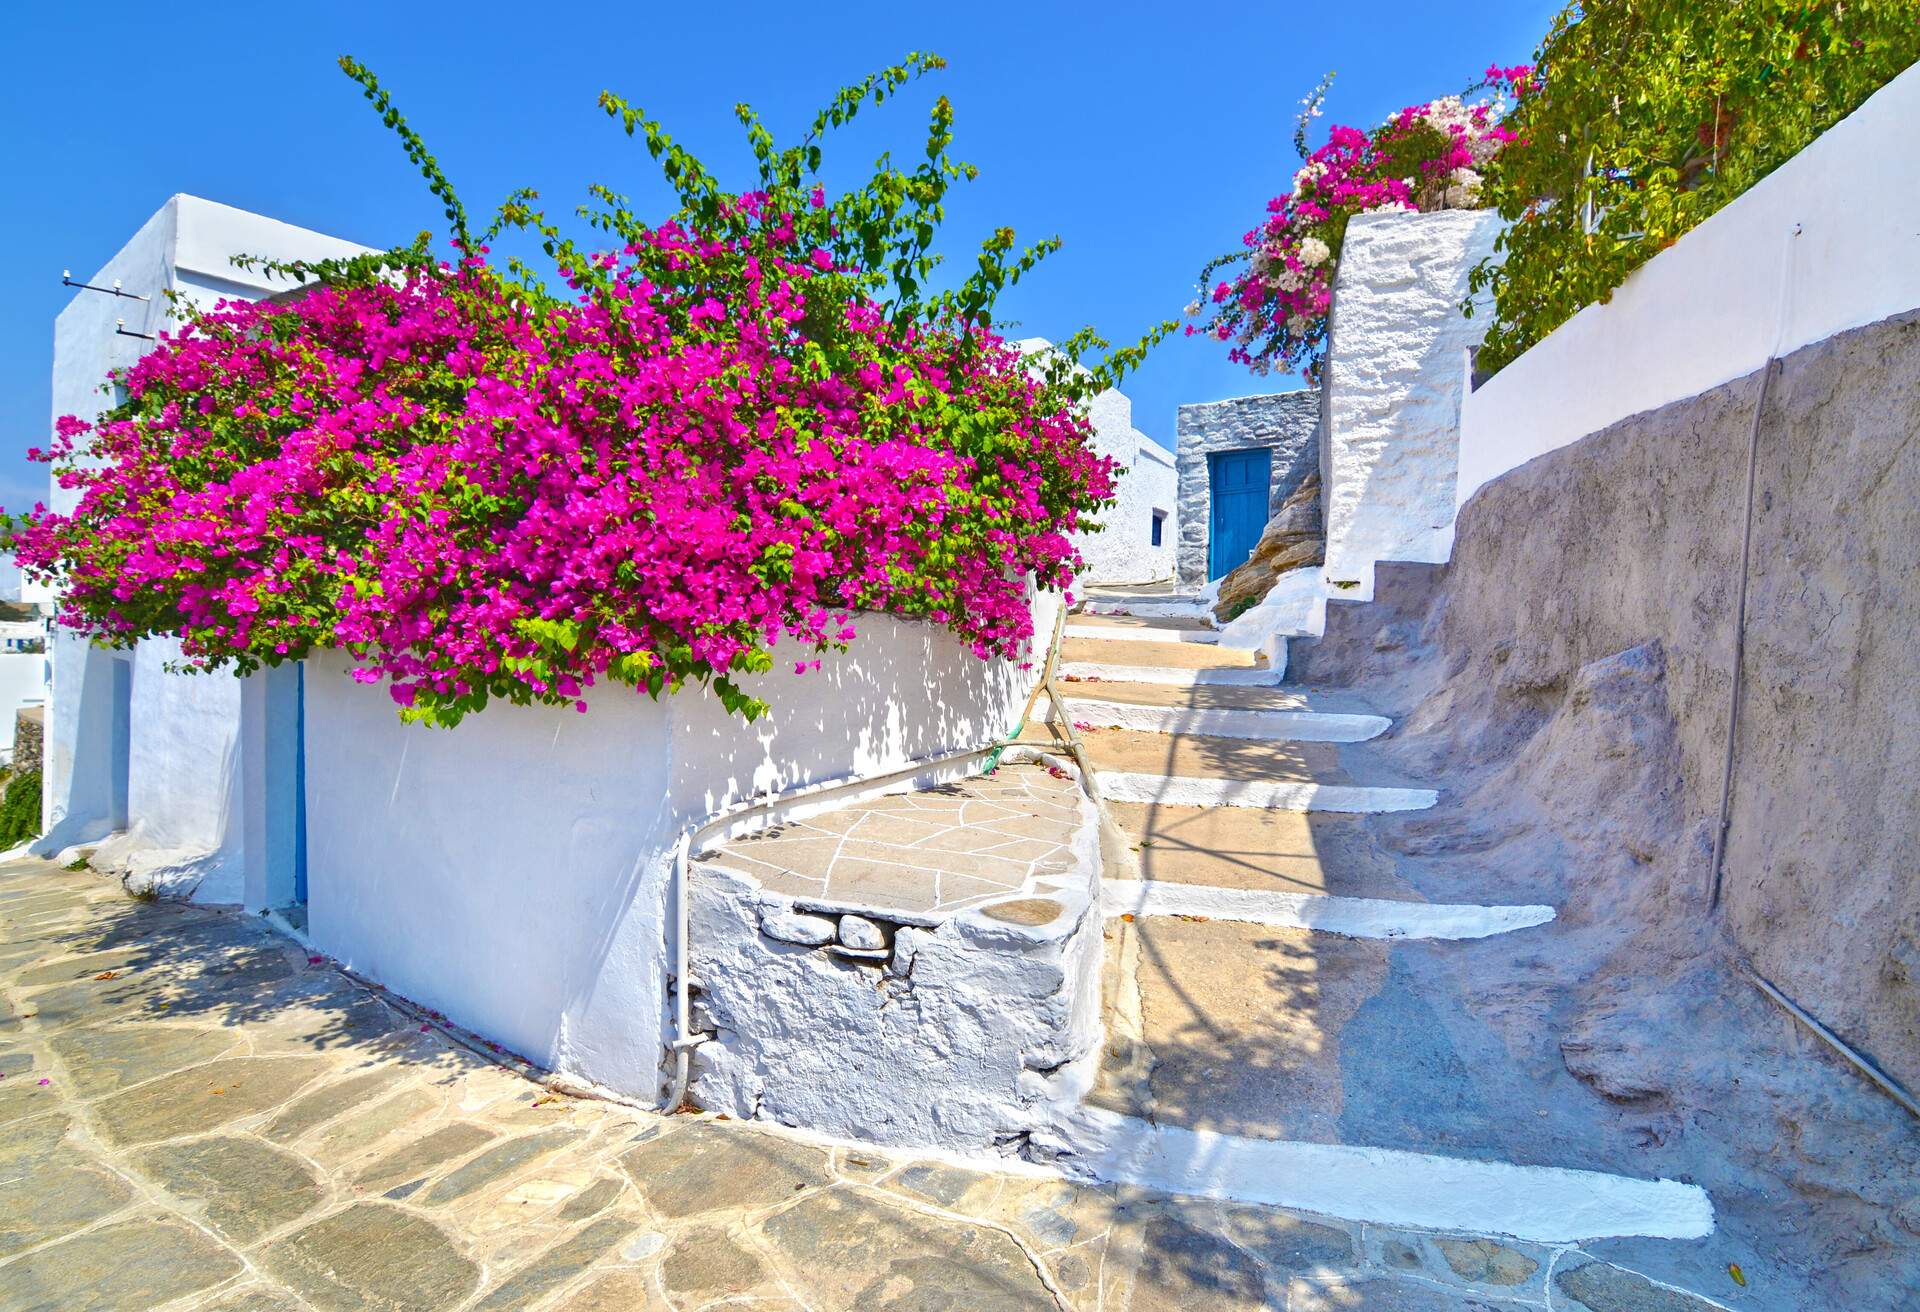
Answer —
(20, 810)
(1644, 117)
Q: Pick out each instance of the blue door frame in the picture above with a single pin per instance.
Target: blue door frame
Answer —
(1238, 485)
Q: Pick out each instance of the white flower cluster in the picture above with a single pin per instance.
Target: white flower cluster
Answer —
(1314, 252)
(1309, 173)
(1463, 189)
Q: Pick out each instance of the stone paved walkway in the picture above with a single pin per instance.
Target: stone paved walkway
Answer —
(196, 1114)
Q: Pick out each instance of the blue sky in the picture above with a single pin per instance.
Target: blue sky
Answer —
(1147, 135)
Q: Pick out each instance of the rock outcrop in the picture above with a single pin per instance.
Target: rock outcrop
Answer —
(1293, 537)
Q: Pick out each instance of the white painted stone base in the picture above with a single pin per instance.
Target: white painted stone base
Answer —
(1272, 794)
(1355, 917)
(1112, 633)
(1188, 606)
(962, 1037)
(1543, 1204)
(1270, 726)
(1228, 678)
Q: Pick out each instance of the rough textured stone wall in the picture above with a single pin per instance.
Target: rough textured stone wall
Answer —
(1395, 378)
(1631, 537)
(1285, 422)
(29, 733)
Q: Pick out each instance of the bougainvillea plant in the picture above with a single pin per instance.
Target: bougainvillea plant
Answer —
(746, 423)
(1430, 156)
(1646, 117)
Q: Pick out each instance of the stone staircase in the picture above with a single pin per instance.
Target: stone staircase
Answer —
(1280, 995)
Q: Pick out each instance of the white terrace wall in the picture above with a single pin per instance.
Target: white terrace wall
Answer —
(1733, 291)
(512, 872)
(1394, 382)
(132, 747)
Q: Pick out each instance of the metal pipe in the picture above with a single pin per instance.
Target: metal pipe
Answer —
(1725, 818)
(684, 1041)
(1887, 1084)
(1060, 714)
(66, 280)
(1739, 636)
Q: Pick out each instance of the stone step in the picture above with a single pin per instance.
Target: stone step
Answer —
(1128, 628)
(1533, 1204)
(1353, 917)
(1265, 725)
(1103, 671)
(1162, 655)
(1147, 623)
(1206, 696)
(1185, 769)
(1319, 853)
(1285, 1047)
(1208, 756)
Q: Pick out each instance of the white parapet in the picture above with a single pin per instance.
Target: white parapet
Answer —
(1394, 385)
(1544, 1204)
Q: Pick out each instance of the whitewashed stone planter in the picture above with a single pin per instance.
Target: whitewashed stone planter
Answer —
(961, 1030)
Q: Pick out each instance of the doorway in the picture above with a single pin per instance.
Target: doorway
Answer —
(1238, 485)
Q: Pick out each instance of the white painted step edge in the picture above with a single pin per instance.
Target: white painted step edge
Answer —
(1355, 917)
(1167, 606)
(1115, 633)
(1226, 722)
(1269, 794)
(1242, 676)
(1541, 1204)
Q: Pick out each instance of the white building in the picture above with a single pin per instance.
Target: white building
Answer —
(1138, 535)
(192, 780)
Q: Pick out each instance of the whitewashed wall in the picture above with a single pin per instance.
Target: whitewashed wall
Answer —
(180, 758)
(1393, 388)
(511, 872)
(1736, 289)
(1123, 550)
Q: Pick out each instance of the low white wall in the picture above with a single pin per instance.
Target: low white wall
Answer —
(1394, 387)
(1736, 289)
(511, 872)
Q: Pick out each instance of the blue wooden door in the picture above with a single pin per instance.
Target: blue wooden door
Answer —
(1238, 482)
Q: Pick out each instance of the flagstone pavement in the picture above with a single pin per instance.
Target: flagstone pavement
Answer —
(195, 1113)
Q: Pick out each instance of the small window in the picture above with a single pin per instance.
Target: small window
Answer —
(1159, 525)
